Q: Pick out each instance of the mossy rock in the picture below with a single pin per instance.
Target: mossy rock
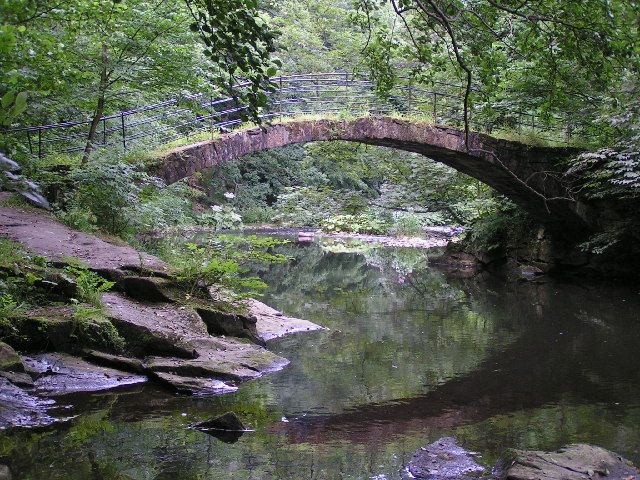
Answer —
(10, 361)
(56, 329)
(147, 289)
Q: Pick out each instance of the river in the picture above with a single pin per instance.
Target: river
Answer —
(408, 356)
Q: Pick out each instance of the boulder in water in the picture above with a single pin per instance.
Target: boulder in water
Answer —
(227, 428)
(444, 459)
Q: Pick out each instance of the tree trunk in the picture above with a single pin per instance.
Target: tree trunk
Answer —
(99, 111)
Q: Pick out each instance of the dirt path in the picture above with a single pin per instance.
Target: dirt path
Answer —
(40, 233)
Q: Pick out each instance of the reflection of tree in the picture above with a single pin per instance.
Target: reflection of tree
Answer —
(558, 357)
(390, 338)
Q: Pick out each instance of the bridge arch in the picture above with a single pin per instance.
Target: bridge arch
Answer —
(518, 171)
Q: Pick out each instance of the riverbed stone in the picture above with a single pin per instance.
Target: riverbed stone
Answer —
(444, 459)
(39, 232)
(146, 289)
(255, 318)
(120, 362)
(60, 374)
(164, 336)
(157, 328)
(55, 327)
(21, 379)
(574, 462)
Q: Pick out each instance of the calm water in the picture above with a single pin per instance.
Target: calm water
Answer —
(409, 356)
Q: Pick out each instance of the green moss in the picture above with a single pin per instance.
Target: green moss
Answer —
(65, 329)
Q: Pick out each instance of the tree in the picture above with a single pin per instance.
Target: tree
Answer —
(560, 55)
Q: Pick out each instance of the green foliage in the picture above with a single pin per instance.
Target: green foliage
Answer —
(221, 218)
(224, 260)
(79, 218)
(20, 273)
(109, 191)
(609, 173)
(239, 43)
(9, 309)
(305, 206)
(505, 226)
(90, 285)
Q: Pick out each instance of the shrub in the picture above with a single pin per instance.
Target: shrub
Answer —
(110, 192)
(506, 226)
(257, 214)
(407, 224)
(90, 285)
(221, 218)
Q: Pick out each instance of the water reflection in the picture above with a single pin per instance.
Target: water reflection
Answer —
(410, 356)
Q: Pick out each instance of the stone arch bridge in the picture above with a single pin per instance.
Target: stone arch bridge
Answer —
(528, 175)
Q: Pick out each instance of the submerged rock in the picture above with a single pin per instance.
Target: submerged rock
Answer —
(62, 374)
(444, 459)
(574, 462)
(227, 427)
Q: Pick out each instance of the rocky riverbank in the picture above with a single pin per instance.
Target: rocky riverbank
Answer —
(149, 328)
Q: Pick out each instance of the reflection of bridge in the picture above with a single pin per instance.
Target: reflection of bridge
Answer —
(529, 176)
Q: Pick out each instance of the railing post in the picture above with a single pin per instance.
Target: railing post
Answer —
(280, 97)
(435, 108)
(124, 132)
(104, 132)
(39, 143)
(29, 140)
(211, 118)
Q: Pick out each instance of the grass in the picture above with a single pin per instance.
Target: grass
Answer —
(12, 252)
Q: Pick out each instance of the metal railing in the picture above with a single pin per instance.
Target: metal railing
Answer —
(324, 94)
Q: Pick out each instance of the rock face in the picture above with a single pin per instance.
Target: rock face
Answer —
(444, 459)
(575, 462)
(41, 233)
